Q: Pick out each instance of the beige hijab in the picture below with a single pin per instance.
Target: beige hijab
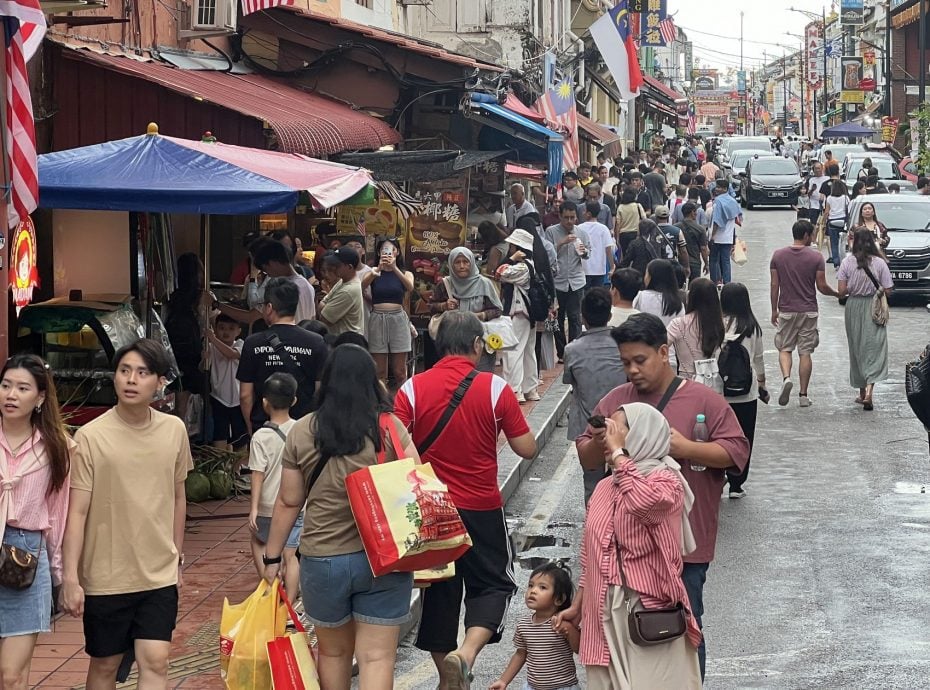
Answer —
(648, 442)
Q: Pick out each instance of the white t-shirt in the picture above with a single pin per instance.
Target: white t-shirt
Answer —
(223, 384)
(618, 315)
(600, 240)
(814, 184)
(306, 307)
(265, 456)
(838, 206)
(726, 234)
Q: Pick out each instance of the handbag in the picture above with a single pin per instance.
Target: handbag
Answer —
(502, 327)
(707, 370)
(880, 310)
(740, 253)
(651, 627)
(433, 326)
(291, 656)
(18, 567)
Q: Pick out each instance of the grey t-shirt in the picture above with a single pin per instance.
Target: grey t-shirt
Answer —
(593, 368)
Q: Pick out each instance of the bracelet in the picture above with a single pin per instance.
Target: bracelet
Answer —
(617, 453)
(271, 561)
(180, 560)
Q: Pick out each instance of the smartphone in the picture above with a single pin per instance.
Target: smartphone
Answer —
(597, 421)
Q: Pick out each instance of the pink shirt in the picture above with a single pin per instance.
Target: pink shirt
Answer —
(642, 515)
(690, 400)
(32, 509)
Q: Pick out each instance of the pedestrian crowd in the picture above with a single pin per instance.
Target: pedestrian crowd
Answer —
(662, 350)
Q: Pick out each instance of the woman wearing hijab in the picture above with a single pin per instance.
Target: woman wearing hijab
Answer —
(635, 534)
(466, 289)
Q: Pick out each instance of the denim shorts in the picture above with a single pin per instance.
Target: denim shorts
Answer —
(337, 589)
(293, 539)
(27, 611)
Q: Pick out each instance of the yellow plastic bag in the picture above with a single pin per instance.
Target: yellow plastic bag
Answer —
(245, 630)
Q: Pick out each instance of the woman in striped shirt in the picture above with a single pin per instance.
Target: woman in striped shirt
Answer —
(35, 461)
(637, 521)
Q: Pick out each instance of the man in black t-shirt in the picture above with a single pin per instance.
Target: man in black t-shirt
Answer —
(295, 351)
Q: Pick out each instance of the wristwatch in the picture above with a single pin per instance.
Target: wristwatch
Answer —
(271, 561)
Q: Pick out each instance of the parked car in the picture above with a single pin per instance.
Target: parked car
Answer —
(907, 217)
(887, 170)
(735, 167)
(908, 169)
(770, 181)
(730, 145)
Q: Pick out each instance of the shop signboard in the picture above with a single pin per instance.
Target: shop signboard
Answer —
(741, 82)
(852, 74)
(814, 43)
(637, 5)
(433, 234)
(852, 12)
(371, 221)
(654, 13)
(852, 97)
(689, 57)
(24, 274)
(889, 129)
(704, 79)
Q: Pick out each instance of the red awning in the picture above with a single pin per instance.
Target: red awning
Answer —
(304, 122)
(666, 91)
(601, 135)
(521, 171)
(516, 105)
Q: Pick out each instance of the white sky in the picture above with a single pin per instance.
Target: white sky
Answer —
(764, 25)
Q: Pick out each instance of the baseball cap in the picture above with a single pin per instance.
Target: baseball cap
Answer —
(347, 255)
(660, 211)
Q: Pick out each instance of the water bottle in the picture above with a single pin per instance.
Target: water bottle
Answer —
(700, 436)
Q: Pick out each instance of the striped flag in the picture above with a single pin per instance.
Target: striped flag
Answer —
(668, 30)
(614, 40)
(24, 27)
(250, 6)
(557, 105)
(692, 119)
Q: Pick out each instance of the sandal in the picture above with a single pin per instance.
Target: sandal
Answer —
(867, 405)
(458, 675)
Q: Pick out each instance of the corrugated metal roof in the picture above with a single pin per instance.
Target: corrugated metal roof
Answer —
(306, 123)
(415, 45)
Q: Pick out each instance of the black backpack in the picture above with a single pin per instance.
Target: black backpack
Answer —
(735, 368)
(537, 297)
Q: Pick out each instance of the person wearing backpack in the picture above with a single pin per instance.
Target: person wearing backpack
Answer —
(743, 369)
(697, 336)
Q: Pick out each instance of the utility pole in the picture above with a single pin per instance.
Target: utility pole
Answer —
(802, 86)
(826, 77)
(742, 96)
(922, 49)
(886, 101)
(784, 90)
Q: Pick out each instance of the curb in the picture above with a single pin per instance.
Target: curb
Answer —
(543, 420)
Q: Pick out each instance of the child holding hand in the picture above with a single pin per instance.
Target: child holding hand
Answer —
(548, 653)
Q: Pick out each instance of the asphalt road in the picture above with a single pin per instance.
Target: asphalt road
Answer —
(820, 576)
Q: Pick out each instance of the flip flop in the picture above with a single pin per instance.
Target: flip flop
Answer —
(458, 675)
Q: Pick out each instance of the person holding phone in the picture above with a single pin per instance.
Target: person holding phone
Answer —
(389, 336)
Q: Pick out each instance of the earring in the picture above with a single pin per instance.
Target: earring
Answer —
(39, 408)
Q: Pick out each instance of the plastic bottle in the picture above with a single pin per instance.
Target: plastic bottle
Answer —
(700, 436)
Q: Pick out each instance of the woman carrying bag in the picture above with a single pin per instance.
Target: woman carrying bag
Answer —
(863, 278)
(697, 336)
(868, 219)
(837, 206)
(635, 534)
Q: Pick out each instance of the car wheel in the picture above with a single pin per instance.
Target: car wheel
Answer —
(748, 203)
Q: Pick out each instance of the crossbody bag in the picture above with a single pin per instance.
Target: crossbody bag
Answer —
(454, 403)
(880, 310)
(18, 567)
(288, 360)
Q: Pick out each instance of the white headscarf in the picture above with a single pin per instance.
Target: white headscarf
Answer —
(648, 442)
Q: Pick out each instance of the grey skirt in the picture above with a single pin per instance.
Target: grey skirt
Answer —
(389, 332)
(868, 344)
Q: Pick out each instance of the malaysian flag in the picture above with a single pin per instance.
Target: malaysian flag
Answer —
(24, 27)
(250, 6)
(692, 119)
(557, 105)
(668, 30)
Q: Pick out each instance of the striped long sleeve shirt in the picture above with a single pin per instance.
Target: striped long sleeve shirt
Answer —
(642, 515)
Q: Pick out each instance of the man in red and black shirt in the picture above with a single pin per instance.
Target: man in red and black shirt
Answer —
(464, 455)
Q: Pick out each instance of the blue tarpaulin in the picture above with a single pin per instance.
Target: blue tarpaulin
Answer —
(159, 174)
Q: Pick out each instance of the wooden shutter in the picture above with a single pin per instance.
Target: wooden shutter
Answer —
(440, 16)
(472, 16)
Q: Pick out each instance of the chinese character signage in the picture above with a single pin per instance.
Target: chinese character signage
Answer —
(889, 129)
(24, 276)
(814, 54)
(654, 12)
(852, 12)
(689, 57)
(852, 74)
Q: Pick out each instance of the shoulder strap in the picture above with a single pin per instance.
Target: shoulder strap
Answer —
(275, 428)
(286, 359)
(447, 415)
(868, 272)
(387, 424)
(672, 387)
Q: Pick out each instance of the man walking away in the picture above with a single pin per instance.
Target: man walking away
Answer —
(798, 272)
(675, 237)
(487, 406)
(625, 284)
(123, 552)
(572, 245)
(727, 215)
(601, 262)
(593, 369)
(696, 241)
(643, 345)
(656, 184)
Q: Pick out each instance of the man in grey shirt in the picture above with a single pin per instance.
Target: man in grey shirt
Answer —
(571, 246)
(593, 369)
(594, 193)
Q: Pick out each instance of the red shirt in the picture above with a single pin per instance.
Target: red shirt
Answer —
(690, 400)
(465, 454)
(642, 515)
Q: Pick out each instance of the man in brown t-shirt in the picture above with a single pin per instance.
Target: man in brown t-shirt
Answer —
(798, 272)
(643, 344)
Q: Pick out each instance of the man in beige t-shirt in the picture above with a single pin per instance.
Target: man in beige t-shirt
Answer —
(342, 309)
(122, 547)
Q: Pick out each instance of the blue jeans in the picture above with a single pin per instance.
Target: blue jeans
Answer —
(694, 575)
(835, 231)
(720, 262)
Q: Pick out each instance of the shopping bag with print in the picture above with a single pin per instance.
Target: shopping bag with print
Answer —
(405, 515)
(740, 252)
(245, 630)
(424, 578)
(290, 656)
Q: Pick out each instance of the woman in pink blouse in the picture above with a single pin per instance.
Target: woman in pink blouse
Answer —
(637, 523)
(35, 460)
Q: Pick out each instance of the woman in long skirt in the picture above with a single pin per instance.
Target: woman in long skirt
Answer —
(861, 275)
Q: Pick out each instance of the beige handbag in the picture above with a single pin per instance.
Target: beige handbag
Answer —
(880, 310)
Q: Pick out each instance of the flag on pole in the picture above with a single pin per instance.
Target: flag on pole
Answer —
(692, 119)
(557, 105)
(614, 39)
(24, 28)
(250, 6)
(668, 30)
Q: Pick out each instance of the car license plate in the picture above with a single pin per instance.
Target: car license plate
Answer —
(903, 275)
(778, 194)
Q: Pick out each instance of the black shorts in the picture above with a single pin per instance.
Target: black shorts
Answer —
(484, 575)
(113, 622)
(228, 424)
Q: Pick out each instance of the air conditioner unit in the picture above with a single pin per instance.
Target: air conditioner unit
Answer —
(213, 15)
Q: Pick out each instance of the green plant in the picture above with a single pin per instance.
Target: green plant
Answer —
(922, 115)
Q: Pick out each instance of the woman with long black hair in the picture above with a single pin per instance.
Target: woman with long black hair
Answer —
(743, 329)
(354, 612)
(698, 334)
(35, 465)
(661, 296)
(185, 321)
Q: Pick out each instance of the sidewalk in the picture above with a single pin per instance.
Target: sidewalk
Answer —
(219, 565)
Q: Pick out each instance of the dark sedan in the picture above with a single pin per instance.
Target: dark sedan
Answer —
(770, 182)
